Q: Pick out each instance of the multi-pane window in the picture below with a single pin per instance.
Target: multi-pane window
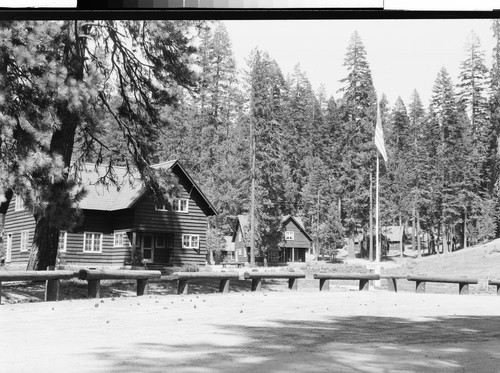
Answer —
(19, 203)
(289, 235)
(190, 241)
(24, 240)
(121, 239)
(177, 205)
(63, 238)
(92, 242)
(180, 205)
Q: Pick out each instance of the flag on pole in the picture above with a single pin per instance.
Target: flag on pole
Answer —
(379, 136)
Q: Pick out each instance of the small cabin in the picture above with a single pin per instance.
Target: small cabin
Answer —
(295, 244)
(119, 221)
(396, 236)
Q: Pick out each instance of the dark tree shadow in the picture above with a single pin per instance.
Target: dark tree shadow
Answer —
(341, 344)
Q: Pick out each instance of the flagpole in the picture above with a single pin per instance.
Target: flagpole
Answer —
(377, 244)
(371, 216)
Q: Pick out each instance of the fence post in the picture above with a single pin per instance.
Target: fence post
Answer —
(94, 288)
(142, 287)
(51, 288)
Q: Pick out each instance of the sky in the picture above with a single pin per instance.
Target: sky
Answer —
(403, 54)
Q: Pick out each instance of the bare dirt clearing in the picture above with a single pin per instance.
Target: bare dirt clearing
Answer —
(342, 330)
(347, 331)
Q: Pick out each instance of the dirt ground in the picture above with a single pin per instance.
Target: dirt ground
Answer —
(336, 331)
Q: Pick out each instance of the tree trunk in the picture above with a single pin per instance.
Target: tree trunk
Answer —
(445, 239)
(465, 230)
(371, 218)
(437, 238)
(350, 249)
(46, 236)
(413, 228)
(44, 250)
(419, 248)
(401, 243)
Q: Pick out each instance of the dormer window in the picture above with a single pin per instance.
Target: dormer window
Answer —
(19, 203)
(180, 205)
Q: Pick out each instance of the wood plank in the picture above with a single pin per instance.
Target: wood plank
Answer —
(271, 275)
(205, 275)
(346, 276)
(446, 279)
(36, 275)
(93, 274)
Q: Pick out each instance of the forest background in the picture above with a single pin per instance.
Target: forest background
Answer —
(309, 155)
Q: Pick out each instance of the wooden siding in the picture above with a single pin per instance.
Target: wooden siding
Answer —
(15, 223)
(110, 256)
(300, 240)
(142, 218)
(148, 220)
(239, 246)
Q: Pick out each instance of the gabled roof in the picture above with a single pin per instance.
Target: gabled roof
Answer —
(229, 243)
(244, 222)
(394, 233)
(298, 222)
(129, 188)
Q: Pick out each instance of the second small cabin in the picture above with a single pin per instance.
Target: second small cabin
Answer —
(295, 245)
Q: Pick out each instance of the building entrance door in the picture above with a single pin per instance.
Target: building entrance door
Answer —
(147, 247)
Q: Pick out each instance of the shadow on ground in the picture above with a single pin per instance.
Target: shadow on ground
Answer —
(341, 344)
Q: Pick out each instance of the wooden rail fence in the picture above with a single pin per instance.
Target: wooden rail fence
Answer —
(51, 278)
(94, 277)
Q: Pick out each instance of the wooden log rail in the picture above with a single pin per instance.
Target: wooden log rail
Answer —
(52, 279)
(392, 281)
(462, 281)
(94, 277)
(184, 277)
(238, 264)
(257, 277)
(363, 278)
(495, 282)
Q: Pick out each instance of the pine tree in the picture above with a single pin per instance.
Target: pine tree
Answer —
(473, 97)
(357, 113)
(447, 127)
(395, 182)
(416, 158)
(475, 185)
(59, 81)
(267, 90)
(494, 144)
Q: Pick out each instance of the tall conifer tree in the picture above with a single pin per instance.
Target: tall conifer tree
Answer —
(357, 114)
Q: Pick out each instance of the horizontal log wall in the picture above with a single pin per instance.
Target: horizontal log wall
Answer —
(148, 219)
(15, 223)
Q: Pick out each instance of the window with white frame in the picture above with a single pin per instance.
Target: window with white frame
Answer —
(121, 239)
(190, 241)
(180, 205)
(289, 235)
(8, 254)
(239, 236)
(63, 239)
(19, 203)
(92, 242)
(24, 240)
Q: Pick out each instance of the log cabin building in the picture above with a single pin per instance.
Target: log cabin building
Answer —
(117, 222)
(295, 245)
